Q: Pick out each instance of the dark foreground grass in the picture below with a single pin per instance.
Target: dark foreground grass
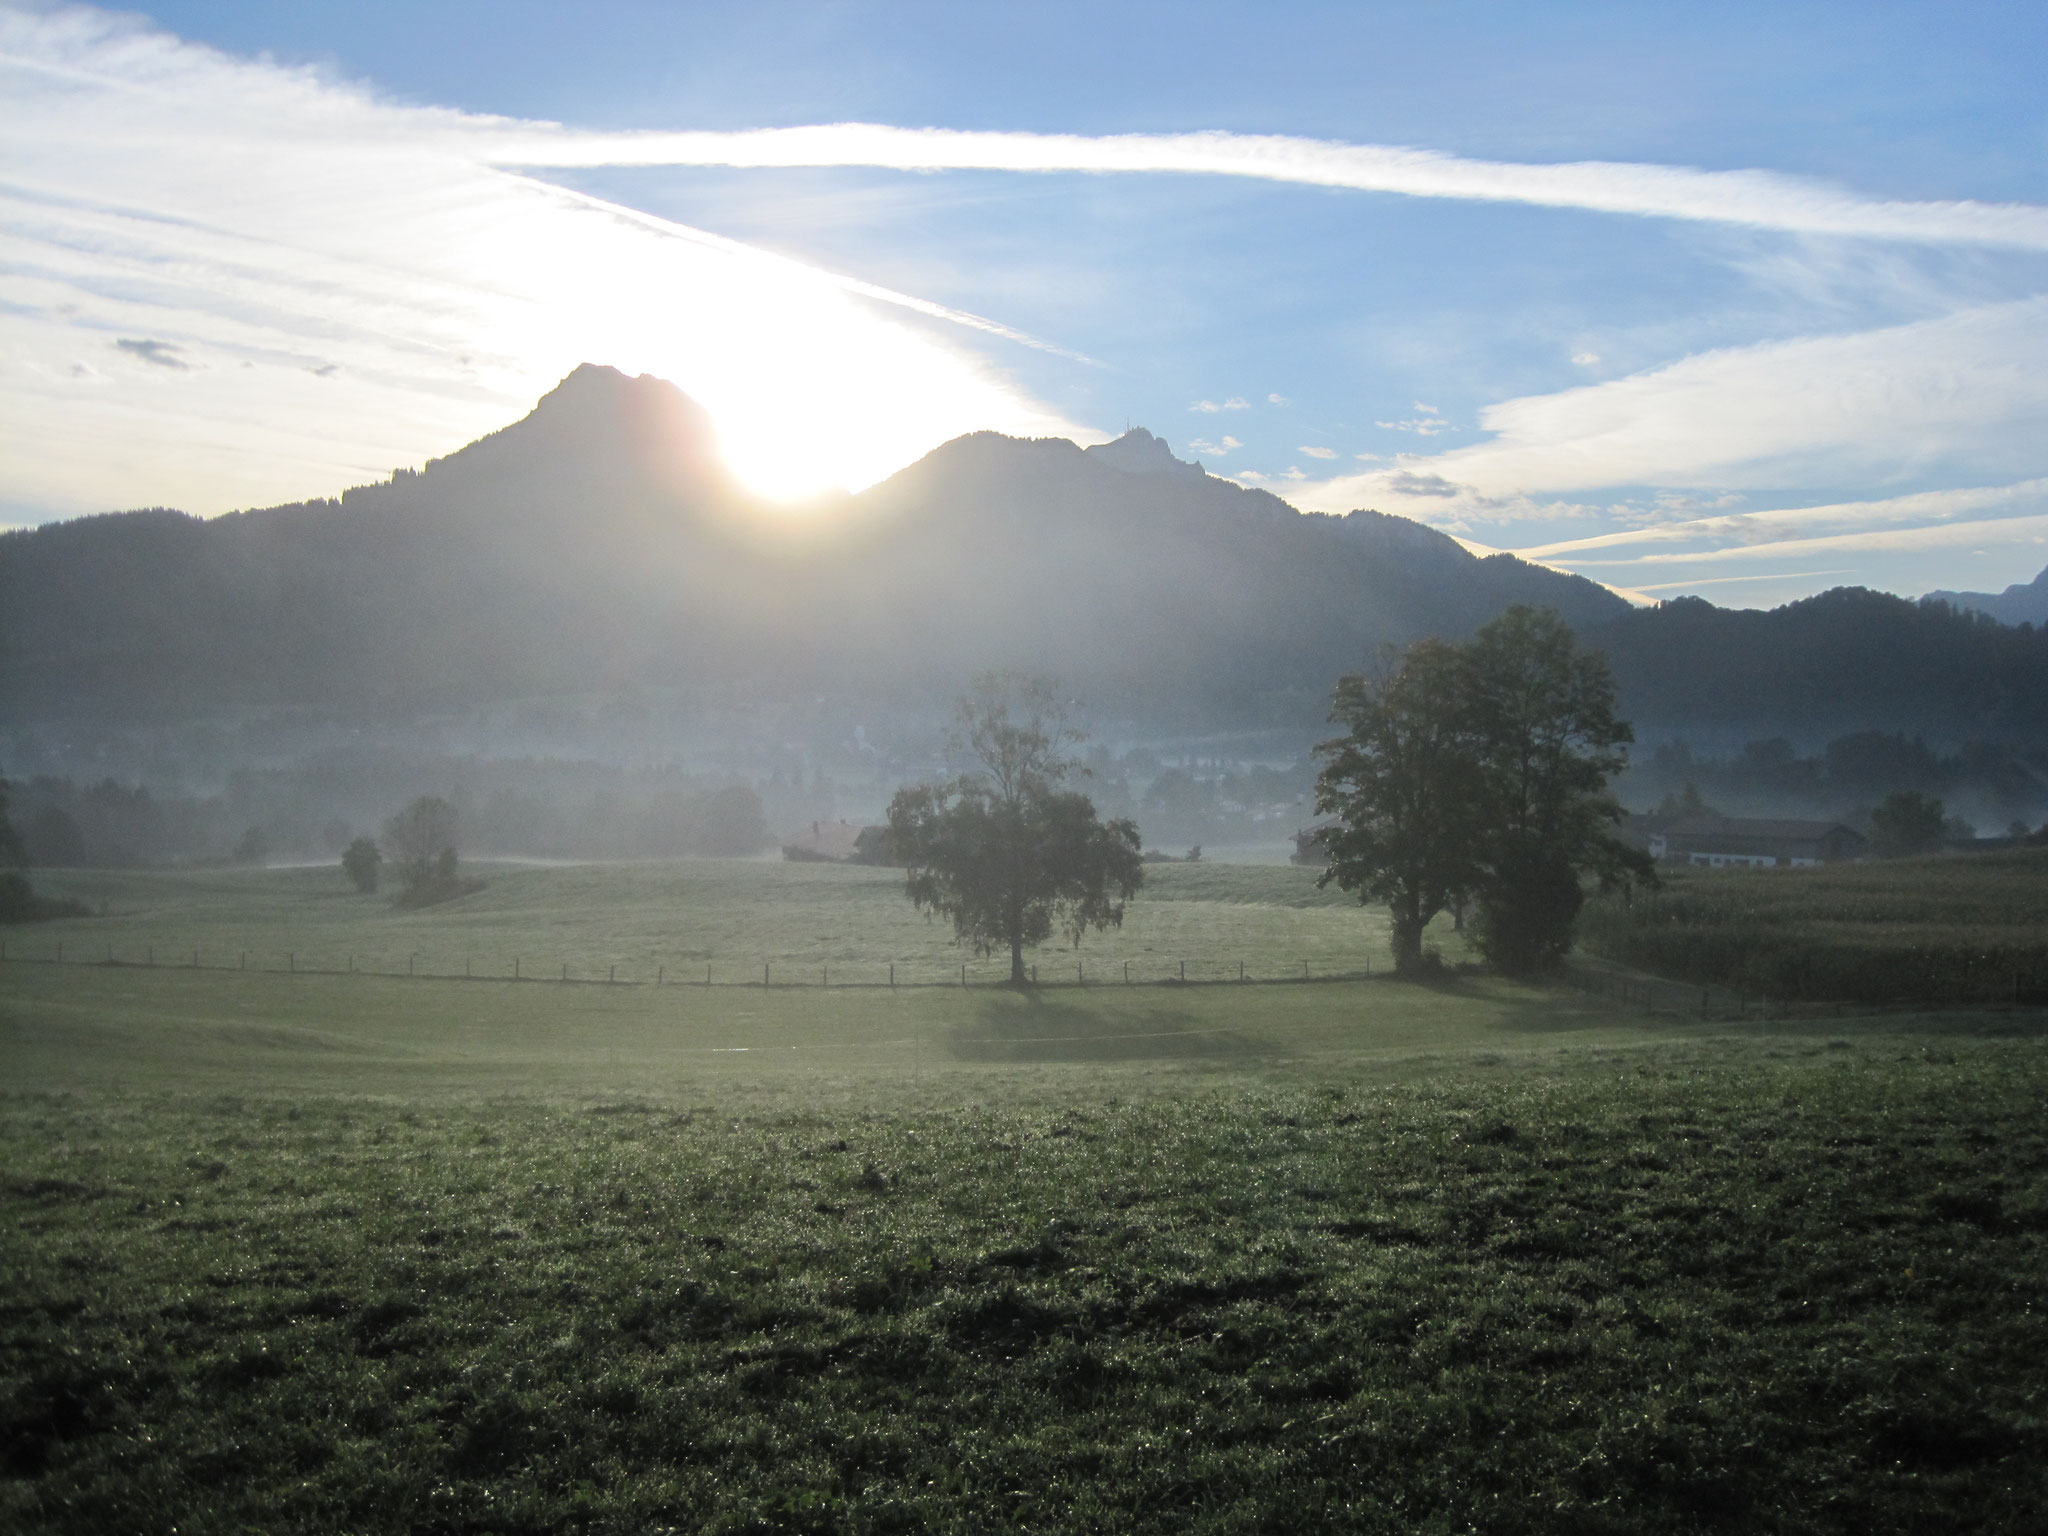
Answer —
(1762, 1285)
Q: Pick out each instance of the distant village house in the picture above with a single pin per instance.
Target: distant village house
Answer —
(1743, 842)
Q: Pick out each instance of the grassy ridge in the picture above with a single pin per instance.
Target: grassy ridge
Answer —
(92, 1028)
(1939, 930)
(1790, 1288)
(680, 916)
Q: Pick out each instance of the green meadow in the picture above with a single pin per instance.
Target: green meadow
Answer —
(673, 919)
(352, 1253)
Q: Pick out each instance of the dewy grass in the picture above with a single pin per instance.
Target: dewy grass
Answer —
(1784, 1282)
(680, 920)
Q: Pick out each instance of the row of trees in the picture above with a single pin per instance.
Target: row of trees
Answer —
(420, 842)
(1470, 773)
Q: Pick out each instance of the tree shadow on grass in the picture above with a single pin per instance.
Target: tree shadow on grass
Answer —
(1043, 1031)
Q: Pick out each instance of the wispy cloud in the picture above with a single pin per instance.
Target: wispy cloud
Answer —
(160, 354)
(1315, 452)
(1211, 407)
(1202, 445)
(1774, 525)
(1758, 199)
(1725, 581)
(335, 284)
(1988, 531)
(1429, 424)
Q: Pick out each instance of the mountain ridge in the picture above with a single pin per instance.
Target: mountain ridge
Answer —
(599, 542)
(2024, 602)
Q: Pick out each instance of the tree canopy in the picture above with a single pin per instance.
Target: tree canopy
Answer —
(1479, 770)
(421, 842)
(1004, 850)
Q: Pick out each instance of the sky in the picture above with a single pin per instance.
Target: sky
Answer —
(1746, 301)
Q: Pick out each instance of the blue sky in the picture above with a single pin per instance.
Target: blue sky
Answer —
(1743, 300)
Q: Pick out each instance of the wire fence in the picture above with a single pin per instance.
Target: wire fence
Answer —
(758, 974)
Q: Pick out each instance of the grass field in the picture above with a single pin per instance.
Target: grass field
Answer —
(358, 1253)
(675, 918)
(1944, 929)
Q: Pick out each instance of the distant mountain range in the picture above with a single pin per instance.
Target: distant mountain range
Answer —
(2024, 602)
(600, 542)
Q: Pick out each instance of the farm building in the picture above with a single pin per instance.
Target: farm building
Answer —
(837, 842)
(823, 842)
(1754, 842)
(1312, 846)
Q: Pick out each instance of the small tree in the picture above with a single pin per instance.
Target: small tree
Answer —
(1907, 823)
(14, 854)
(360, 861)
(420, 841)
(1006, 853)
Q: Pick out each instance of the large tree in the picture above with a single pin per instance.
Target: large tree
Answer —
(1480, 770)
(1547, 741)
(1005, 851)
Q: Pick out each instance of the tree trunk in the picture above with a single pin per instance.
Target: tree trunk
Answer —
(1407, 939)
(1016, 962)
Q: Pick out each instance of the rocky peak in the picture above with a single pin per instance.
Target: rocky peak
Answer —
(1138, 452)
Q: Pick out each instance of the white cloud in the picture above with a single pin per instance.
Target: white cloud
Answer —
(1211, 450)
(1724, 581)
(289, 285)
(1211, 407)
(1585, 359)
(1429, 424)
(1278, 400)
(1758, 199)
(1773, 525)
(1962, 395)
(1983, 533)
(1317, 453)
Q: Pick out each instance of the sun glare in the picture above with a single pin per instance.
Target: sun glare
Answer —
(813, 388)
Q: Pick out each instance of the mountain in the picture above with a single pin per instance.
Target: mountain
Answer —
(2020, 603)
(1841, 661)
(599, 542)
